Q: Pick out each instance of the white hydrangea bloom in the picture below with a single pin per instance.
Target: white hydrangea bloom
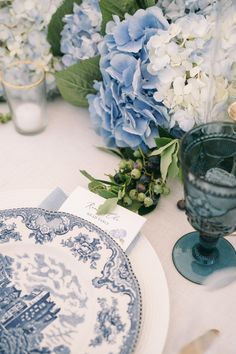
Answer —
(226, 52)
(181, 60)
(224, 68)
(23, 33)
(174, 9)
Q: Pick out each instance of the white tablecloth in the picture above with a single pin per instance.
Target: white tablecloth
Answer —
(54, 158)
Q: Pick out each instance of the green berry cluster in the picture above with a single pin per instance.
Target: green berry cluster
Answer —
(5, 117)
(141, 176)
(139, 179)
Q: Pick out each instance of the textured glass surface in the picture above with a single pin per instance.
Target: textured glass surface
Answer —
(208, 158)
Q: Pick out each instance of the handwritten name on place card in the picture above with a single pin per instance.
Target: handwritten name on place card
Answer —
(122, 224)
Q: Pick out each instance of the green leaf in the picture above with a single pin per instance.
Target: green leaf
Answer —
(107, 182)
(134, 206)
(121, 194)
(166, 159)
(174, 168)
(150, 3)
(108, 206)
(144, 4)
(76, 82)
(127, 153)
(87, 175)
(161, 149)
(100, 181)
(111, 151)
(56, 25)
(96, 186)
(147, 3)
(163, 133)
(114, 7)
(180, 174)
(106, 194)
(162, 141)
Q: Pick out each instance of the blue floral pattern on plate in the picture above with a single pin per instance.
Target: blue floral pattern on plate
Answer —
(65, 287)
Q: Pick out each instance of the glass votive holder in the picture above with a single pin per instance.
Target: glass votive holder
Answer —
(25, 91)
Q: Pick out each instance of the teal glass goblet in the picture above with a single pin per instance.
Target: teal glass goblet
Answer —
(208, 160)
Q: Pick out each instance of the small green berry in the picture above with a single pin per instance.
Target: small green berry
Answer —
(141, 197)
(127, 201)
(157, 189)
(130, 164)
(165, 190)
(126, 165)
(135, 173)
(137, 153)
(148, 202)
(122, 164)
(133, 194)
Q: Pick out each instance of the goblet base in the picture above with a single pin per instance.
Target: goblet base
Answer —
(195, 270)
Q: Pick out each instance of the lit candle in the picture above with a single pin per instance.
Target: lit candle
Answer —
(28, 117)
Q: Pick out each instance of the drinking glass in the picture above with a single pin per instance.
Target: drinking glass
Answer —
(25, 91)
(208, 159)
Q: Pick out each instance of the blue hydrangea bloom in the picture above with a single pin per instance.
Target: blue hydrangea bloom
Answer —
(80, 35)
(123, 111)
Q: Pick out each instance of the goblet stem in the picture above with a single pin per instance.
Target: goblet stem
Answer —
(205, 251)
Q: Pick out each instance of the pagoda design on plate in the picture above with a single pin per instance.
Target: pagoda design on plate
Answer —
(30, 313)
(35, 309)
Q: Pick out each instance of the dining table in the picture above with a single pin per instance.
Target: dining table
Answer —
(54, 158)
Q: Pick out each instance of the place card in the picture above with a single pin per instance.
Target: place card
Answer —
(122, 224)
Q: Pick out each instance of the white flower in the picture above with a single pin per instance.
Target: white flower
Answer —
(23, 32)
(178, 86)
(194, 26)
(184, 119)
(174, 9)
(191, 78)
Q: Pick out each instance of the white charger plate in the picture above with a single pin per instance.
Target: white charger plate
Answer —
(146, 266)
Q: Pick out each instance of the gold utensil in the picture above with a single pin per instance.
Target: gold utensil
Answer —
(201, 344)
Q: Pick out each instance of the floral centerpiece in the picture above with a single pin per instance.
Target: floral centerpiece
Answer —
(154, 81)
(146, 69)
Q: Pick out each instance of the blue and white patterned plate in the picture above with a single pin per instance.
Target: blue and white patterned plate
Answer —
(65, 287)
